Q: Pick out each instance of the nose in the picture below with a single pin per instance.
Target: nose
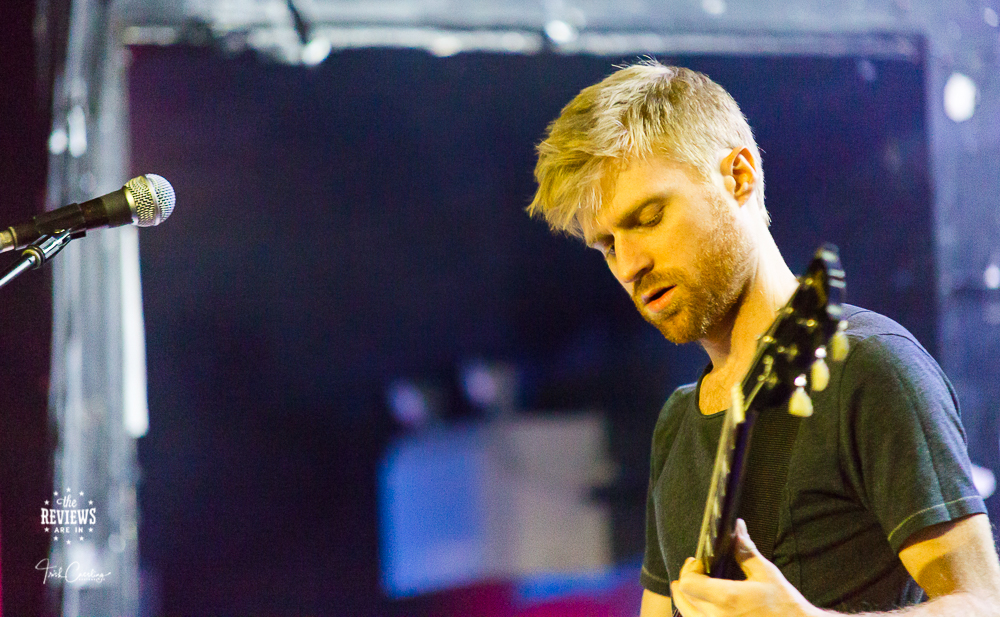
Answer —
(632, 261)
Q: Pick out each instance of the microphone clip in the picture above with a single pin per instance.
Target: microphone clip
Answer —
(39, 252)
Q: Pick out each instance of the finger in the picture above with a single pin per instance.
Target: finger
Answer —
(745, 547)
(687, 605)
(692, 565)
(690, 585)
(677, 598)
(696, 588)
(754, 565)
(701, 595)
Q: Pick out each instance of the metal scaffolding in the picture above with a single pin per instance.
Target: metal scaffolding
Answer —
(97, 396)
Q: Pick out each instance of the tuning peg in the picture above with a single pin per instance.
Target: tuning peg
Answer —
(819, 373)
(838, 344)
(800, 404)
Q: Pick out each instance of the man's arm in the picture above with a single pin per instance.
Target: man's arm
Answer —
(954, 562)
(655, 605)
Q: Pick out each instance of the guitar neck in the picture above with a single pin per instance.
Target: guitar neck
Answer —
(719, 519)
(795, 345)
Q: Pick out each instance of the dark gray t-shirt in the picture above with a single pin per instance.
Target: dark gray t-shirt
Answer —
(883, 456)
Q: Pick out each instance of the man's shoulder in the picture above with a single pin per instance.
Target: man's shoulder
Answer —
(863, 323)
(682, 401)
(681, 396)
(876, 338)
(887, 368)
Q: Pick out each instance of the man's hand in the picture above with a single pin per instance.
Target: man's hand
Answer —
(765, 592)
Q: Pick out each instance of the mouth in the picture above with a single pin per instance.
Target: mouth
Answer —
(652, 299)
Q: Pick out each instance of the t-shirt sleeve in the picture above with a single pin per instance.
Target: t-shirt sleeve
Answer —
(654, 575)
(902, 443)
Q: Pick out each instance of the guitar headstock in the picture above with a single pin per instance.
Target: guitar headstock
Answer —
(792, 355)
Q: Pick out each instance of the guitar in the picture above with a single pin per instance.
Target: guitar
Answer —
(790, 357)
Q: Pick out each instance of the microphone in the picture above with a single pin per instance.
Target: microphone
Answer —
(144, 201)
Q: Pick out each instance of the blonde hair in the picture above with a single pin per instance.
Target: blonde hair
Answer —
(638, 111)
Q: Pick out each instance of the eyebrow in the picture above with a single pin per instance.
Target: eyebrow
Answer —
(629, 218)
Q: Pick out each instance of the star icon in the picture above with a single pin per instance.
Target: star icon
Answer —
(56, 493)
(81, 493)
(81, 538)
(55, 538)
(69, 490)
(46, 530)
(46, 502)
(91, 502)
(91, 530)
(69, 542)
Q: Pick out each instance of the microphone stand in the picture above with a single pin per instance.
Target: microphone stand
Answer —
(39, 252)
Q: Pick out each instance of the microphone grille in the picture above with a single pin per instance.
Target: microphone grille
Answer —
(154, 199)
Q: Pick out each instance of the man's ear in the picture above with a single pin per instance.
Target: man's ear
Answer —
(739, 173)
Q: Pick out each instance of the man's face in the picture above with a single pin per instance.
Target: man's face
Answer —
(675, 243)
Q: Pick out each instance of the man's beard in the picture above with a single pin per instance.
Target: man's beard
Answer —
(705, 297)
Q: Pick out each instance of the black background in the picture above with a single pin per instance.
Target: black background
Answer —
(345, 225)
(26, 439)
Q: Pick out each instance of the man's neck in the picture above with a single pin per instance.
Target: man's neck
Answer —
(732, 344)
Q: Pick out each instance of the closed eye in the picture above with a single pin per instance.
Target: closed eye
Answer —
(606, 246)
(650, 216)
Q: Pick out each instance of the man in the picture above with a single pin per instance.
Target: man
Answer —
(657, 168)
